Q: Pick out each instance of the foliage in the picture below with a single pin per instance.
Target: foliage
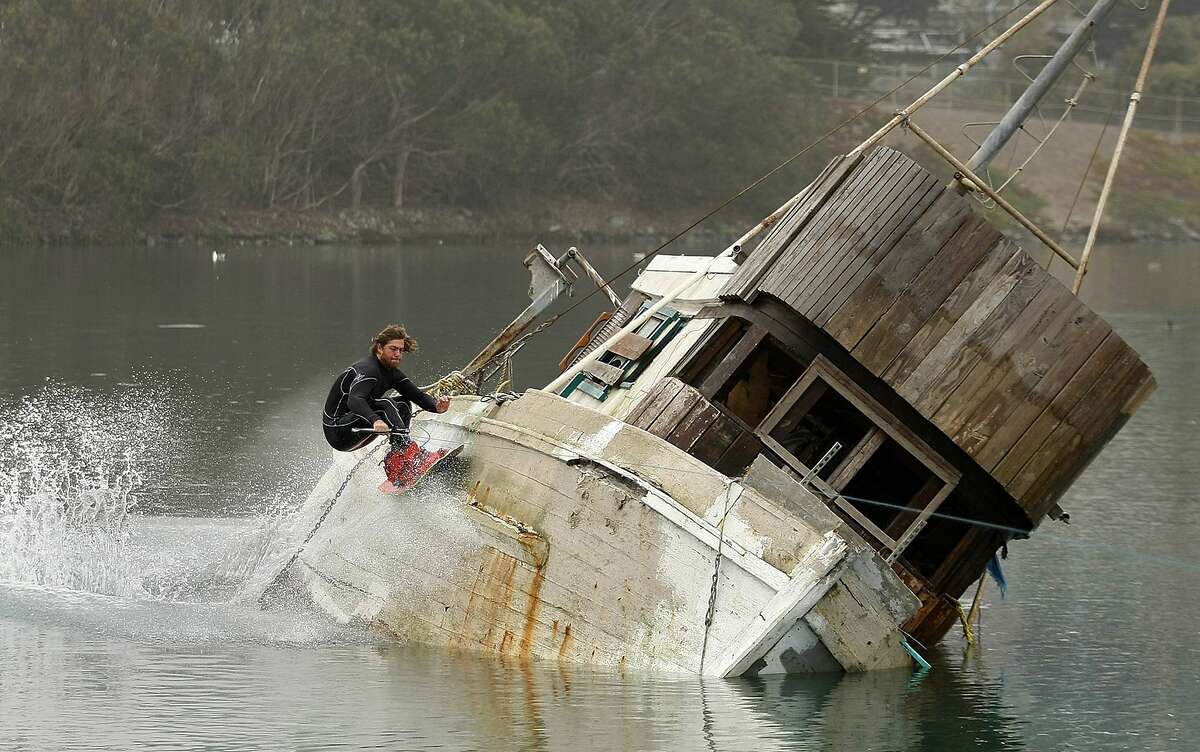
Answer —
(124, 106)
(1157, 182)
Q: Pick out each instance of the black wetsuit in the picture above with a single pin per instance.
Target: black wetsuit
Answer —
(356, 401)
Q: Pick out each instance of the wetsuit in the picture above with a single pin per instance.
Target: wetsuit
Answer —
(356, 401)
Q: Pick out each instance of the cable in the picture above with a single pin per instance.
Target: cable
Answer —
(754, 184)
(1132, 554)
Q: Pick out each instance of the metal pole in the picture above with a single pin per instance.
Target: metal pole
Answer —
(1134, 98)
(1024, 105)
(979, 184)
(957, 73)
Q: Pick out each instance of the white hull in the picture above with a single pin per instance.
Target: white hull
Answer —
(570, 536)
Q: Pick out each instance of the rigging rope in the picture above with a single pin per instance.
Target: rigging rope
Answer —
(763, 178)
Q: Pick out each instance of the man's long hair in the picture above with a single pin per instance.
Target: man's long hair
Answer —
(391, 332)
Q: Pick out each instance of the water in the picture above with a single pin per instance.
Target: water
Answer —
(159, 421)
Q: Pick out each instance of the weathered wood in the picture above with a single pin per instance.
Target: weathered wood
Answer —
(843, 219)
(744, 283)
(917, 302)
(994, 389)
(825, 299)
(1088, 375)
(886, 221)
(859, 455)
(674, 412)
(900, 433)
(631, 346)
(732, 361)
(694, 423)
(948, 314)
(1055, 478)
(920, 500)
(864, 304)
(953, 560)
(986, 342)
(928, 384)
(761, 314)
(605, 372)
(1076, 438)
(893, 277)
(741, 452)
(840, 216)
(849, 279)
(712, 347)
(716, 440)
(1074, 344)
(977, 384)
(652, 405)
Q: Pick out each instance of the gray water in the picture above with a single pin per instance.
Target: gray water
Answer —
(159, 421)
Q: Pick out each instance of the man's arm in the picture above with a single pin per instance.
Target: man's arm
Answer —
(409, 391)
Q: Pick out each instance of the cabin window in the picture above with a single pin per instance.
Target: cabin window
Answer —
(818, 421)
(621, 364)
(759, 382)
(838, 440)
(745, 369)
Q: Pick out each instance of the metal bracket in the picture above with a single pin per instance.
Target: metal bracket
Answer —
(544, 272)
(821, 463)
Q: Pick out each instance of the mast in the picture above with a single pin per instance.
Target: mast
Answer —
(1054, 68)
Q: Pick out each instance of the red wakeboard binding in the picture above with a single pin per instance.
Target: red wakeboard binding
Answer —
(405, 465)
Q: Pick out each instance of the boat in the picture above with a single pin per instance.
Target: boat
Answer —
(793, 457)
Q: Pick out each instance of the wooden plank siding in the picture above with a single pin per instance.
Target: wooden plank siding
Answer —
(681, 415)
(780, 237)
(903, 276)
(916, 304)
(890, 224)
(874, 183)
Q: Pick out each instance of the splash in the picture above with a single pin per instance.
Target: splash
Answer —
(71, 466)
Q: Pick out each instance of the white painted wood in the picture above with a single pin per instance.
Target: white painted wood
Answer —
(570, 537)
(815, 575)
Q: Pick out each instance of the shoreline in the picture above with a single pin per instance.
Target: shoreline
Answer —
(377, 227)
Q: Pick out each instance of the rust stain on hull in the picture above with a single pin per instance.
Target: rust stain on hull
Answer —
(564, 650)
(531, 611)
(489, 599)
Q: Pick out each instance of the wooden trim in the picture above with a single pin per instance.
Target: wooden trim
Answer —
(858, 457)
(721, 333)
(884, 419)
(905, 517)
(803, 471)
(784, 405)
(884, 426)
(789, 341)
(912, 531)
(733, 361)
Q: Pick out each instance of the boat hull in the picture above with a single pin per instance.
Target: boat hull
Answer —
(566, 535)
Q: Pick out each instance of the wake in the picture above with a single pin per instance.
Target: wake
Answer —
(74, 467)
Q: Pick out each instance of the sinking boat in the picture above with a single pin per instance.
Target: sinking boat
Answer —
(789, 458)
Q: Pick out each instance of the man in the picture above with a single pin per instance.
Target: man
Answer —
(357, 401)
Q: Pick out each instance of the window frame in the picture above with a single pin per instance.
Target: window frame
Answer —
(885, 426)
(670, 322)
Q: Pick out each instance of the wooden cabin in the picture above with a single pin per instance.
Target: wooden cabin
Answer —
(897, 354)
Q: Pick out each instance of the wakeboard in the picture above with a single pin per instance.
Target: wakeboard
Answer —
(442, 463)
